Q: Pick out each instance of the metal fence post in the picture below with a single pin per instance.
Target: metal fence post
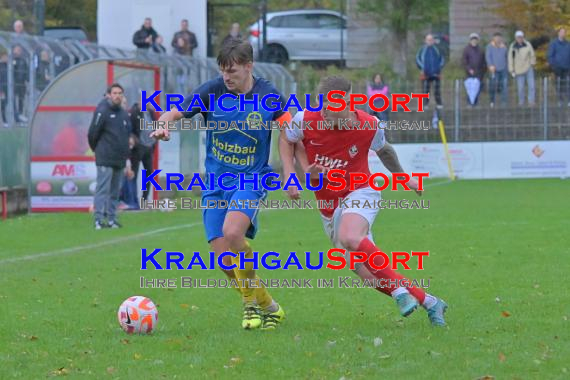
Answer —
(456, 111)
(545, 105)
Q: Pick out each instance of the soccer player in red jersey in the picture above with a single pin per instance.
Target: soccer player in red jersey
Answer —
(349, 227)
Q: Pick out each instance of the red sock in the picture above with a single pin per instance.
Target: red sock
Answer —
(369, 248)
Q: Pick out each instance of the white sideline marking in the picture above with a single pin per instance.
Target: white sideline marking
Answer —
(74, 250)
(438, 183)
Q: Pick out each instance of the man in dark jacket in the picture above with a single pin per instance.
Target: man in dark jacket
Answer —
(430, 62)
(145, 37)
(43, 76)
(21, 76)
(234, 33)
(109, 138)
(474, 62)
(143, 151)
(4, 87)
(184, 41)
(559, 60)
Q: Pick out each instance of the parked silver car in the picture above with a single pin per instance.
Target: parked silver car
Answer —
(305, 35)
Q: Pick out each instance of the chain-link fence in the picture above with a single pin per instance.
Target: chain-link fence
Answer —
(510, 117)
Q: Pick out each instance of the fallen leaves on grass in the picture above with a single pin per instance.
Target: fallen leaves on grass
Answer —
(505, 314)
(502, 357)
(125, 341)
(62, 371)
(111, 370)
(33, 338)
(233, 362)
(137, 356)
(487, 377)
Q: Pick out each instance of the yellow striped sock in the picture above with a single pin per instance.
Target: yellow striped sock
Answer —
(258, 293)
(264, 299)
(244, 276)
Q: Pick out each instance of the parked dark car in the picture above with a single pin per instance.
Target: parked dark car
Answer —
(66, 33)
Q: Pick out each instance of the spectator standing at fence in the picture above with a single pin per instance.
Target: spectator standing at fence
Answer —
(128, 193)
(496, 58)
(234, 33)
(143, 151)
(377, 86)
(145, 37)
(21, 76)
(559, 61)
(521, 66)
(184, 41)
(157, 46)
(19, 28)
(109, 138)
(4, 87)
(43, 76)
(430, 61)
(473, 61)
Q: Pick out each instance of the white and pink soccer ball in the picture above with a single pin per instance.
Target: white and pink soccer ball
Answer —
(138, 315)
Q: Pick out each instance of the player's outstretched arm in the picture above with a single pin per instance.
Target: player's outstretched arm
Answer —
(387, 154)
(301, 156)
(163, 133)
(287, 155)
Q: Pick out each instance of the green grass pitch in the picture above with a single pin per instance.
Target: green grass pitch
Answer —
(499, 256)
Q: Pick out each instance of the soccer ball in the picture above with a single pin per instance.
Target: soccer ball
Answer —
(138, 315)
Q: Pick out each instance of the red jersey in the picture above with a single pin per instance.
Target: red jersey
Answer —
(345, 149)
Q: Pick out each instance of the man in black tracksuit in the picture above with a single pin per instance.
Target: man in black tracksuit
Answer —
(109, 138)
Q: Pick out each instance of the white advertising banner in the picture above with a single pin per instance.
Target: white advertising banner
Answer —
(520, 159)
(62, 185)
(526, 159)
(430, 158)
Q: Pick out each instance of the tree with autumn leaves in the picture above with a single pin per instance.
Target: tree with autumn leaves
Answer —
(538, 19)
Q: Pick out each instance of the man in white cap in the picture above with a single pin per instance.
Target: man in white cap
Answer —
(521, 61)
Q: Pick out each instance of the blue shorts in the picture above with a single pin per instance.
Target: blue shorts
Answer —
(214, 217)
